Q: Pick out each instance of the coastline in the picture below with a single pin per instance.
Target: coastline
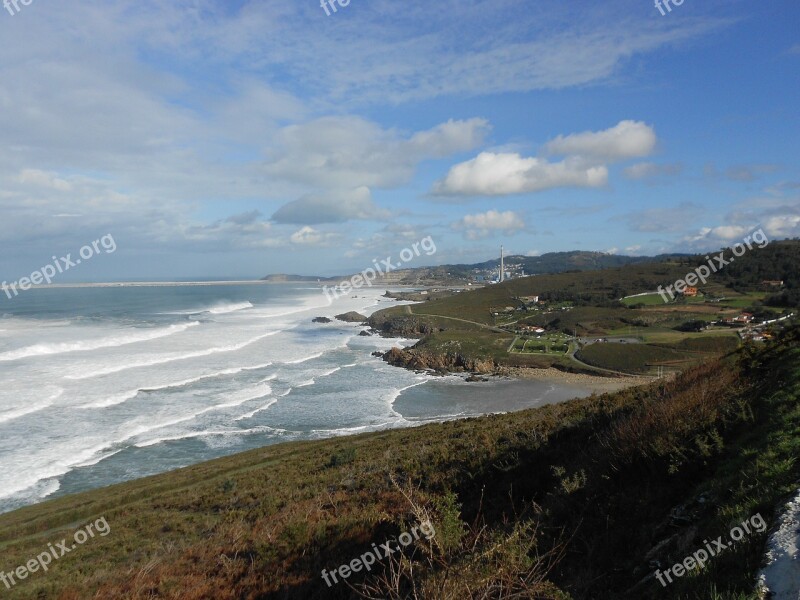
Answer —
(595, 383)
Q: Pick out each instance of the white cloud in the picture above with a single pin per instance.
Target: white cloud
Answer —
(348, 152)
(649, 170)
(308, 236)
(245, 230)
(331, 207)
(627, 139)
(491, 174)
(482, 225)
(782, 226)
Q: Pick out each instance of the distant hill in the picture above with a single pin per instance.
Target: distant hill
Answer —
(577, 260)
(553, 262)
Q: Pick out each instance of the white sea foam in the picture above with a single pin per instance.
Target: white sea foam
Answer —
(111, 400)
(302, 360)
(22, 411)
(211, 433)
(256, 411)
(115, 341)
(167, 358)
(216, 309)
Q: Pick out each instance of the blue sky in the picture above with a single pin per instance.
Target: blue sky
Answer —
(245, 138)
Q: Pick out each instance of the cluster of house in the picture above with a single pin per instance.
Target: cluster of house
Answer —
(755, 335)
(756, 332)
(743, 319)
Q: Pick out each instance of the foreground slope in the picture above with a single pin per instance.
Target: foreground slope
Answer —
(584, 500)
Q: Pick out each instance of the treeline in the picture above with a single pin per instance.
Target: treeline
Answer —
(778, 261)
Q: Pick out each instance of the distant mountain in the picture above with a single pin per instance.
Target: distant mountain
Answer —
(577, 260)
(552, 262)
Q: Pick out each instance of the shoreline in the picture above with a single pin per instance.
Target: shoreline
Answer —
(595, 383)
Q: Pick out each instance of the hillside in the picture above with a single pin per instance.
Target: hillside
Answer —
(483, 329)
(583, 500)
(577, 260)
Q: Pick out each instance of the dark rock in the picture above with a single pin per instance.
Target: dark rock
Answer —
(351, 317)
(321, 320)
(451, 362)
(402, 326)
(365, 334)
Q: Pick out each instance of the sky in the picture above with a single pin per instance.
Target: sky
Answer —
(236, 138)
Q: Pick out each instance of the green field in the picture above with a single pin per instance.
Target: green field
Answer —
(649, 300)
(636, 358)
(557, 344)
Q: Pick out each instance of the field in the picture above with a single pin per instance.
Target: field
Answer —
(554, 343)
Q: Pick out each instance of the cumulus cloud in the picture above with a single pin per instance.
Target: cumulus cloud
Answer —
(782, 225)
(347, 152)
(586, 154)
(491, 174)
(627, 139)
(482, 225)
(308, 236)
(647, 170)
(332, 207)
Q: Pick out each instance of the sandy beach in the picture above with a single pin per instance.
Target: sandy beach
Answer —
(594, 383)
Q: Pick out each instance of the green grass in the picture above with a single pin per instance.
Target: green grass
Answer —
(634, 358)
(556, 344)
(648, 300)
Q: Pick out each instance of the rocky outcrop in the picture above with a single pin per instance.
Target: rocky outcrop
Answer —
(321, 320)
(351, 317)
(422, 360)
(400, 326)
(365, 334)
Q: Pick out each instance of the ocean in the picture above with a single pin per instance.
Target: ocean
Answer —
(107, 384)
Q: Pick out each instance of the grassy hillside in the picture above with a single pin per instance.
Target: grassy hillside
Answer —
(582, 500)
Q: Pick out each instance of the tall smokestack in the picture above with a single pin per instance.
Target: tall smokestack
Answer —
(502, 265)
